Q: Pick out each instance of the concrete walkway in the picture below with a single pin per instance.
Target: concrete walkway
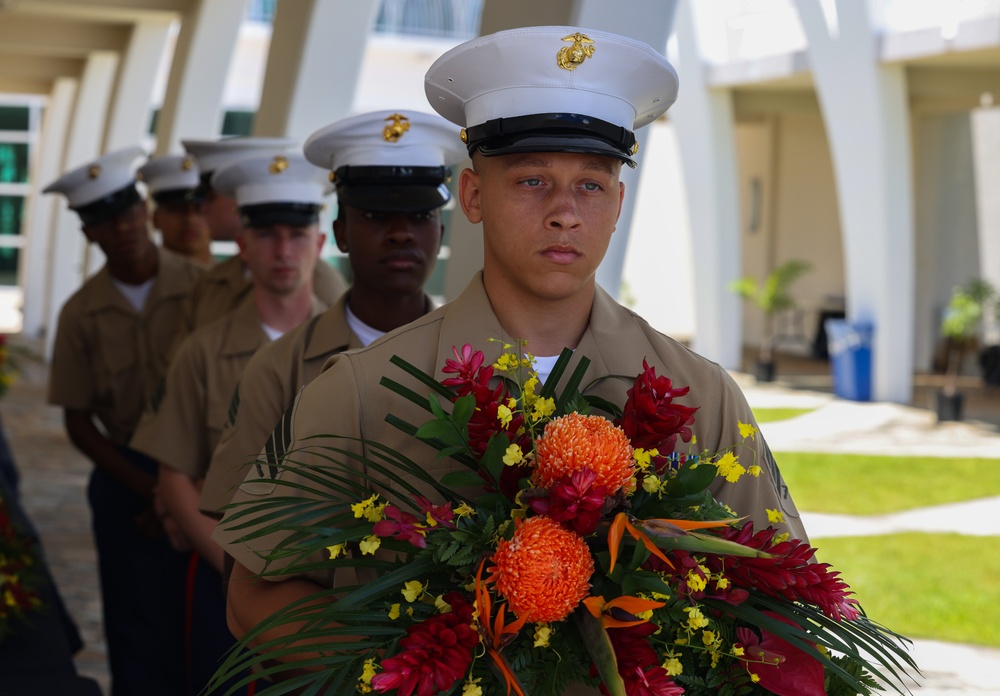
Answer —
(54, 479)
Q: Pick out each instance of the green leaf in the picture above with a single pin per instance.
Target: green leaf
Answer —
(599, 646)
(434, 429)
(465, 406)
(462, 479)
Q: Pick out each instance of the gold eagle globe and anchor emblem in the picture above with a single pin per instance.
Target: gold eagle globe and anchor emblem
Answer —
(187, 164)
(394, 131)
(278, 164)
(94, 171)
(572, 56)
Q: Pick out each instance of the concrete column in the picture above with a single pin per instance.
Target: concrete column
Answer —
(313, 65)
(986, 141)
(706, 138)
(192, 105)
(128, 122)
(40, 208)
(866, 112)
(86, 132)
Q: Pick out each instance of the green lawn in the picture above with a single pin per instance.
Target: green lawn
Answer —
(938, 586)
(868, 485)
(769, 415)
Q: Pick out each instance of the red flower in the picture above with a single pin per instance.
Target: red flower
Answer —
(467, 368)
(435, 654)
(653, 682)
(790, 574)
(783, 669)
(574, 501)
(441, 514)
(402, 526)
(650, 418)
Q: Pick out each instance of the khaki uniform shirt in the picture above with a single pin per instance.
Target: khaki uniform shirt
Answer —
(266, 389)
(347, 400)
(198, 393)
(108, 358)
(225, 285)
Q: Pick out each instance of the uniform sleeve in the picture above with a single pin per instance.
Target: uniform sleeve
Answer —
(326, 413)
(176, 435)
(71, 377)
(257, 405)
(752, 496)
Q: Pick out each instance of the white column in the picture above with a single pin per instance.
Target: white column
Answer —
(313, 65)
(40, 209)
(706, 138)
(128, 122)
(192, 105)
(986, 140)
(67, 262)
(866, 112)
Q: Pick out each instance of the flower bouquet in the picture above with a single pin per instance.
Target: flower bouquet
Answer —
(20, 575)
(567, 552)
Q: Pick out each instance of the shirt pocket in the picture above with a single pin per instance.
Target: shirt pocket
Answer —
(117, 380)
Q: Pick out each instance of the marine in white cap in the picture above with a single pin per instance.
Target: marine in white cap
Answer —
(173, 183)
(549, 117)
(278, 198)
(222, 288)
(109, 358)
(391, 170)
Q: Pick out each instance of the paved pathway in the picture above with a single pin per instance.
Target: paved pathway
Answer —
(54, 479)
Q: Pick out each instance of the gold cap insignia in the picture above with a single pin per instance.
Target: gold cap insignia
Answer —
(187, 164)
(464, 136)
(279, 164)
(582, 48)
(94, 171)
(333, 177)
(394, 131)
(635, 147)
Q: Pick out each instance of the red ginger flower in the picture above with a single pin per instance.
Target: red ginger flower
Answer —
(789, 574)
(435, 654)
(575, 442)
(783, 669)
(650, 419)
(575, 501)
(402, 526)
(543, 571)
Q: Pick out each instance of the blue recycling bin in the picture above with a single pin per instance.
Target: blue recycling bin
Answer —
(850, 347)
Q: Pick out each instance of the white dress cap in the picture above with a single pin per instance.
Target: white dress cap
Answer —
(568, 89)
(171, 174)
(286, 178)
(215, 154)
(386, 138)
(97, 180)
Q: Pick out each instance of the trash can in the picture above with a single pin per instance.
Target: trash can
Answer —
(850, 346)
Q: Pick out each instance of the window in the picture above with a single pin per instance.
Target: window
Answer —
(15, 118)
(237, 123)
(13, 163)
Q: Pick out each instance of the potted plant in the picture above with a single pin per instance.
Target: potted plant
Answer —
(959, 326)
(771, 296)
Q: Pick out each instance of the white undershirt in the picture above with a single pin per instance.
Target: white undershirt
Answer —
(135, 294)
(544, 365)
(365, 333)
(273, 334)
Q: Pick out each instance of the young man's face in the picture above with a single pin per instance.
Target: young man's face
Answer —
(280, 258)
(547, 219)
(391, 254)
(124, 238)
(222, 217)
(184, 228)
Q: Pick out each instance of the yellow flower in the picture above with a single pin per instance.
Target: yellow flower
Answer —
(730, 467)
(779, 538)
(754, 677)
(529, 389)
(464, 510)
(645, 615)
(361, 508)
(543, 408)
(513, 456)
(696, 581)
(696, 619)
(471, 687)
(651, 484)
(738, 650)
(722, 582)
(708, 638)
(754, 471)
(365, 680)
(746, 430)
(369, 545)
(643, 458)
(375, 513)
(442, 606)
(413, 590)
(507, 362)
(542, 634)
(673, 666)
(775, 516)
(504, 415)
(336, 550)
(394, 611)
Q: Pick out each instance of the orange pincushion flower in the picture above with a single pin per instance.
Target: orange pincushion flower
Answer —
(574, 442)
(543, 571)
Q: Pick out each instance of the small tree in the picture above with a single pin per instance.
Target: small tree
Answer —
(771, 297)
(960, 323)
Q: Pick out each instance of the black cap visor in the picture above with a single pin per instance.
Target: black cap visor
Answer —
(552, 133)
(181, 195)
(393, 189)
(267, 214)
(109, 207)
